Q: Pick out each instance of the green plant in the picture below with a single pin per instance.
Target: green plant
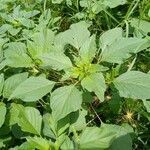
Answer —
(85, 87)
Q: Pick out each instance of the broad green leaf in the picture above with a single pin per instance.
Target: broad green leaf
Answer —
(2, 42)
(80, 123)
(95, 83)
(38, 143)
(16, 55)
(76, 36)
(54, 129)
(96, 138)
(12, 82)
(26, 22)
(3, 30)
(79, 15)
(115, 102)
(65, 100)
(88, 49)
(1, 83)
(147, 105)
(63, 126)
(16, 17)
(55, 60)
(66, 122)
(14, 113)
(133, 84)
(1, 142)
(57, 1)
(141, 25)
(93, 6)
(123, 139)
(13, 31)
(84, 68)
(110, 36)
(25, 146)
(30, 14)
(3, 64)
(121, 49)
(97, 6)
(2, 113)
(17, 132)
(30, 120)
(74, 121)
(87, 97)
(85, 3)
(114, 3)
(32, 89)
(49, 126)
(67, 144)
(45, 16)
(69, 2)
(42, 43)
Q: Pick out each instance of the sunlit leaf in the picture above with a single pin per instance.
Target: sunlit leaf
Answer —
(95, 83)
(32, 89)
(12, 82)
(2, 113)
(133, 84)
(96, 138)
(65, 100)
(30, 120)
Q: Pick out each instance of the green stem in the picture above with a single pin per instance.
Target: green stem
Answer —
(76, 138)
(131, 9)
(127, 28)
(111, 16)
(107, 20)
(132, 64)
(77, 5)
(45, 1)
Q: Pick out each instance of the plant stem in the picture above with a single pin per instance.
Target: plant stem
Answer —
(132, 64)
(127, 28)
(131, 9)
(76, 138)
(77, 3)
(45, 1)
(111, 16)
(96, 113)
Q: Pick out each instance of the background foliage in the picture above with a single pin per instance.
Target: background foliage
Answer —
(74, 74)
